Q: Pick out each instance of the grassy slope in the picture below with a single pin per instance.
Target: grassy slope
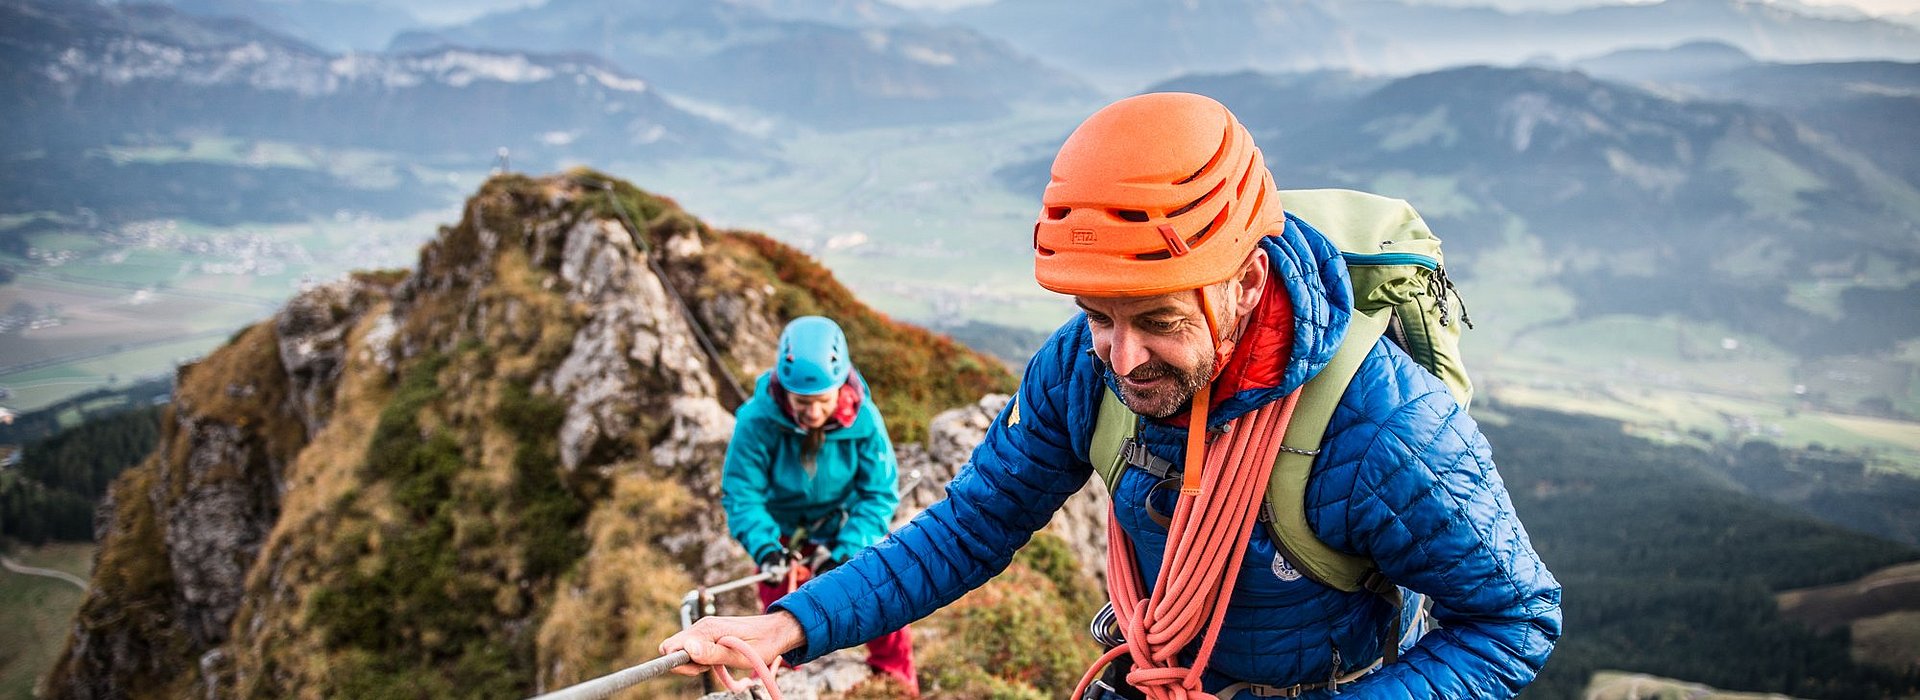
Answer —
(1880, 610)
(36, 612)
(431, 527)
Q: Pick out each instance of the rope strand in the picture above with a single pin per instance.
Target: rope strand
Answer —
(1208, 536)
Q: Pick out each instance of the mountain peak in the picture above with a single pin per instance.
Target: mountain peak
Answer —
(402, 461)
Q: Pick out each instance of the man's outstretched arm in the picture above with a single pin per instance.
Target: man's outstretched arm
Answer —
(1019, 475)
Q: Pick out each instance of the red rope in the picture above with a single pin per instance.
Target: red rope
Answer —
(759, 665)
(756, 663)
(1207, 539)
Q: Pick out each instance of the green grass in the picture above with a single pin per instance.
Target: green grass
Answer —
(94, 294)
(37, 612)
(1508, 289)
(1819, 297)
(1887, 640)
(11, 220)
(1770, 184)
(1619, 685)
(1401, 132)
(50, 385)
(1674, 415)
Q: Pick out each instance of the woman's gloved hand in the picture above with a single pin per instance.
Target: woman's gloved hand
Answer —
(775, 565)
(823, 560)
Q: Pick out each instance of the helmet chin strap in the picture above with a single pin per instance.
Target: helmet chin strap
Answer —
(1203, 400)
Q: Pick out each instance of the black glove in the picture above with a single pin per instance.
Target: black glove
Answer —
(823, 560)
(774, 565)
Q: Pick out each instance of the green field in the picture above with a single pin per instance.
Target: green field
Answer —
(168, 291)
(1619, 685)
(37, 613)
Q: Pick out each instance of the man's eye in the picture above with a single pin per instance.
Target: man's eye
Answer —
(1099, 320)
(1161, 326)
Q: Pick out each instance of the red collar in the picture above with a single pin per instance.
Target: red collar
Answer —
(1259, 359)
(844, 414)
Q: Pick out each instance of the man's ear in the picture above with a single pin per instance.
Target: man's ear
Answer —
(1251, 282)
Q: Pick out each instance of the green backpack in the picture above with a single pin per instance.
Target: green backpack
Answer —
(1400, 290)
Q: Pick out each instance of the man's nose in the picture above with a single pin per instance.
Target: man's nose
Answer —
(1126, 352)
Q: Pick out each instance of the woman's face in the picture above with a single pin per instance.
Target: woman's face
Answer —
(812, 412)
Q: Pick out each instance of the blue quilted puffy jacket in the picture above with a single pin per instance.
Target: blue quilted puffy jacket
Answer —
(1404, 478)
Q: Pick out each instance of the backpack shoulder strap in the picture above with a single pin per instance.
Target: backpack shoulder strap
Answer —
(1287, 489)
(1111, 431)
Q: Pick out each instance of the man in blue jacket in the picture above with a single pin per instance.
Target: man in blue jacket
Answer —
(1206, 307)
(810, 473)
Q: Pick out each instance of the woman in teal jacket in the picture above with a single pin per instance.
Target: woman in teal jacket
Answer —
(810, 474)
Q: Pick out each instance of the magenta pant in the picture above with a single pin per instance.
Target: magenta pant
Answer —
(890, 653)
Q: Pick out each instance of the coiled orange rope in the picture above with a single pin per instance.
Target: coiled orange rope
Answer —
(1206, 540)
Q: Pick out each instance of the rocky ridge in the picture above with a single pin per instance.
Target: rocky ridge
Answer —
(495, 474)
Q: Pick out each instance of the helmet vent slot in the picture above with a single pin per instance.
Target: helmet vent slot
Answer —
(1134, 215)
(1058, 213)
(1189, 207)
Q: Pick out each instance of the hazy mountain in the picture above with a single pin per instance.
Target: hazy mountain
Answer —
(1711, 210)
(1690, 60)
(84, 78)
(1128, 43)
(1134, 42)
(1657, 204)
(752, 56)
(1869, 106)
(848, 12)
(335, 25)
(1865, 105)
(1438, 36)
(77, 72)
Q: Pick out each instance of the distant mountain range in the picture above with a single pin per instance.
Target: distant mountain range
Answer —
(1128, 43)
(1651, 204)
(334, 25)
(1442, 36)
(758, 56)
(1865, 105)
(93, 73)
(84, 79)
(1131, 43)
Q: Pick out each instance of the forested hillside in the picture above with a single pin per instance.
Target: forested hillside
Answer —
(1670, 569)
(51, 492)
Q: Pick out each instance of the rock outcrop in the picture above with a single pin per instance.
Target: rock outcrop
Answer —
(489, 476)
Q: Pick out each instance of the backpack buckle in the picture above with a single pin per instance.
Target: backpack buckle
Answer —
(1135, 454)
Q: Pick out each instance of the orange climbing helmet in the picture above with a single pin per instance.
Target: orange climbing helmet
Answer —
(1153, 194)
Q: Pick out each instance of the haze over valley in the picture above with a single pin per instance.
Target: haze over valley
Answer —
(1691, 227)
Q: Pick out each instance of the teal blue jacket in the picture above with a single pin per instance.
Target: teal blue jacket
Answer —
(845, 501)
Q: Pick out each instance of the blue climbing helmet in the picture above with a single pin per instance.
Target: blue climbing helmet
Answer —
(813, 356)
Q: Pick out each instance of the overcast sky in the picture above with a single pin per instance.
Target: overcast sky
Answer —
(1877, 7)
(455, 11)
